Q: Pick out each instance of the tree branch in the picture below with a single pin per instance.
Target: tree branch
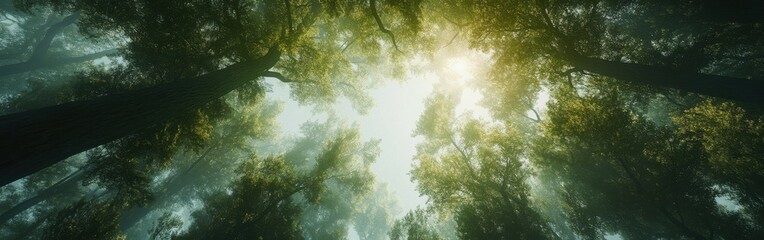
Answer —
(375, 14)
(348, 44)
(41, 50)
(465, 158)
(19, 49)
(277, 75)
(567, 46)
(451, 41)
(86, 57)
(536, 113)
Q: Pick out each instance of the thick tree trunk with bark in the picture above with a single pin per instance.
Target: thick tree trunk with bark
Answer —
(36, 139)
(731, 88)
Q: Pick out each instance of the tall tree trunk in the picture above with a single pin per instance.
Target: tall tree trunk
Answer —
(131, 216)
(17, 50)
(46, 62)
(40, 51)
(731, 88)
(44, 195)
(36, 139)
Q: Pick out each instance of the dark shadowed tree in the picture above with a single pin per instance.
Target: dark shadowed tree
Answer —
(42, 45)
(259, 205)
(731, 140)
(618, 173)
(196, 173)
(650, 43)
(40, 57)
(85, 220)
(212, 49)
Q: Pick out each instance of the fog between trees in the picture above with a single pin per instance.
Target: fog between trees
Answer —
(597, 120)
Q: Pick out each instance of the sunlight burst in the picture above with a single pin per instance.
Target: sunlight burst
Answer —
(462, 69)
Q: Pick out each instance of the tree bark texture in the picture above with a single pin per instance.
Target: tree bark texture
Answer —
(731, 88)
(36, 139)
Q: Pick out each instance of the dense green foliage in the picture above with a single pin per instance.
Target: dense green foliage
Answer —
(605, 119)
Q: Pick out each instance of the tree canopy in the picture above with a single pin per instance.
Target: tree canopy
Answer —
(245, 119)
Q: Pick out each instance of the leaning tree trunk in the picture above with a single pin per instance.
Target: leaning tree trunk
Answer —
(47, 62)
(41, 48)
(131, 216)
(731, 88)
(49, 193)
(36, 139)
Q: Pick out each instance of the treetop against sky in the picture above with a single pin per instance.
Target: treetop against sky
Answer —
(399, 119)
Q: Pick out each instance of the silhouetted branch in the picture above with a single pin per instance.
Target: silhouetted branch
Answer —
(88, 57)
(41, 50)
(348, 44)
(568, 76)
(451, 41)
(278, 75)
(458, 24)
(19, 49)
(373, 5)
(535, 113)
(567, 45)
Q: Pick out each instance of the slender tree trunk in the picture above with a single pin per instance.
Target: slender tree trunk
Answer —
(36, 139)
(40, 51)
(731, 88)
(130, 217)
(45, 62)
(44, 195)
(17, 50)
(42, 47)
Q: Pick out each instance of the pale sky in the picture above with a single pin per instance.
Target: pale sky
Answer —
(392, 119)
(397, 107)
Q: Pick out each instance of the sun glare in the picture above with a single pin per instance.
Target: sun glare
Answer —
(461, 69)
(459, 73)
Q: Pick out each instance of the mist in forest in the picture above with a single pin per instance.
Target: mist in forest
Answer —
(389, 119)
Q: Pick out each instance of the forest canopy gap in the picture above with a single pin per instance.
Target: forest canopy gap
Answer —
(280, 119)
